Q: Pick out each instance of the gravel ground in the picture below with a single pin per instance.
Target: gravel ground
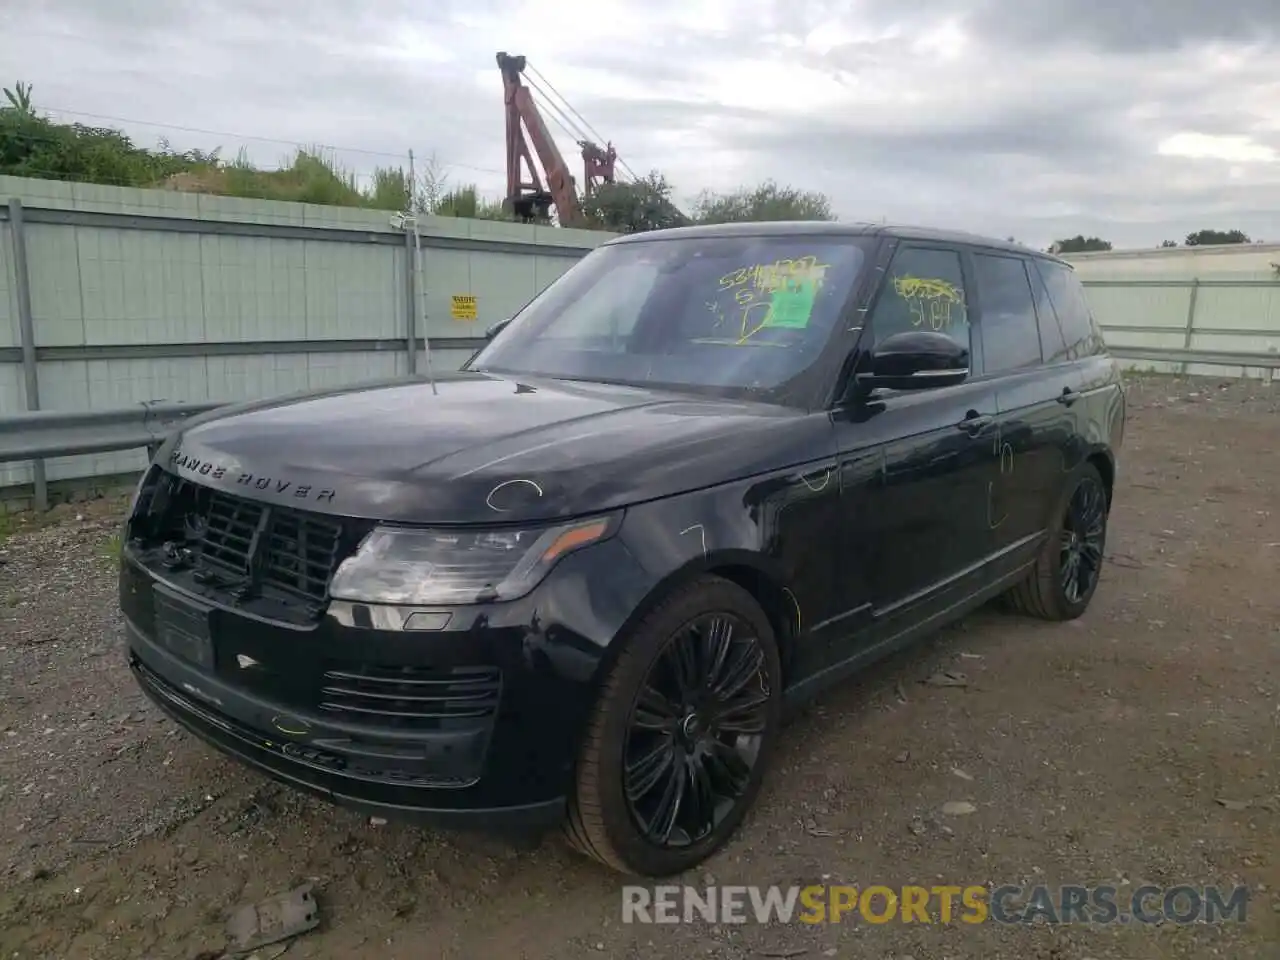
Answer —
(1136, 745)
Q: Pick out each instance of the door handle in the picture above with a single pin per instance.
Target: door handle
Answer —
(974, 423)
(1067, 397)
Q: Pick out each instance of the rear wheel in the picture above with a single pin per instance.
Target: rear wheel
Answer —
(679, 740)
(1066, 573)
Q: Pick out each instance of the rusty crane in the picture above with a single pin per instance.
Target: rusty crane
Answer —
(527, 135)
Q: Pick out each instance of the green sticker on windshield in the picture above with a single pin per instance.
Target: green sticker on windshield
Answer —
(791, 305)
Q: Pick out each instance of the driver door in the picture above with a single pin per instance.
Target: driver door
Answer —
(916, 520)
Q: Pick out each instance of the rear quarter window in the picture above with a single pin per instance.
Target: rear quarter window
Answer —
(1080, 331)
(1053, 346)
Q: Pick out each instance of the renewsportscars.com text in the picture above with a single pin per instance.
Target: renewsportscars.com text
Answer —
(970, 904)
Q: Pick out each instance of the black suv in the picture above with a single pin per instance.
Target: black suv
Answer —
(704, 474)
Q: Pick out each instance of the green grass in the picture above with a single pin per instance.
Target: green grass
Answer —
(111, 549)
(32, 145)
(310, 176)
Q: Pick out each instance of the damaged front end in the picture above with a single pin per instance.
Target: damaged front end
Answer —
(271, 561)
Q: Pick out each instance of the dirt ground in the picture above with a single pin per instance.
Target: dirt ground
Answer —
(1136, 745)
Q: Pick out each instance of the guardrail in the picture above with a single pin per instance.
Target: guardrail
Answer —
(1267, 362)
(55, 433)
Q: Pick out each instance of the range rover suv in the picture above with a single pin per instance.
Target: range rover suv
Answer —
(703, 475)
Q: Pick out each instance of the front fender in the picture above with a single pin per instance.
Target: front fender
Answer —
(778, 535)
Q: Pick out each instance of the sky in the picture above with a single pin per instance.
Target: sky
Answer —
(1133, 120)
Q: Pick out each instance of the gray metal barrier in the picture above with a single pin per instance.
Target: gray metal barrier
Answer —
(39, 434)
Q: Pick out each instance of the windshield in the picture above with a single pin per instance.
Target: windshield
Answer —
(730, 314)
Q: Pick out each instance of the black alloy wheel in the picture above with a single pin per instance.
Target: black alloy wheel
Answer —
(1062, 581)
(1083, 530)
(695, 730)
(681, 735)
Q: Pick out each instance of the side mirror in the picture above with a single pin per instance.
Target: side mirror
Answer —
(916, 360)
(496, 328)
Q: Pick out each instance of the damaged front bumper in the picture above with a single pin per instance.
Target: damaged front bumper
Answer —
(477, 723)
(319, 773)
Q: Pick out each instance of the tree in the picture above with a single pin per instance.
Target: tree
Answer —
(32, 145)
(20, 99)
(645, 204)
(1080, 244)
(1204, 238)
(1169, 243)
(768, 201)
(431, 185)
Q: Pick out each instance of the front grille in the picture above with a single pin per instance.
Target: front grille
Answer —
(278, 558)
(410, 697)
(292, 551)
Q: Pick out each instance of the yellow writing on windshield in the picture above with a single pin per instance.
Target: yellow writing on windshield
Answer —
(767, 277)
(930, 300)
(773, 294)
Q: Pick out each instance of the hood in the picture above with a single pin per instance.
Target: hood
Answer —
(481, 448)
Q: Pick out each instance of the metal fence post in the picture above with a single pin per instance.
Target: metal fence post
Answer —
(411, 297)
(27, 334)
(1191, 320)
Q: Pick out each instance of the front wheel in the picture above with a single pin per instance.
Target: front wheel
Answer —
(1066, 573)
(677, 745)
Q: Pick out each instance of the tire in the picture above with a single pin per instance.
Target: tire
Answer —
(1046, 593)
(608, 810)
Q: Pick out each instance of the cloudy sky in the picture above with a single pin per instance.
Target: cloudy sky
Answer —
(1137, 121)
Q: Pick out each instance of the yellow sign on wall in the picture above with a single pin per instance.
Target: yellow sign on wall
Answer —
(462, 307)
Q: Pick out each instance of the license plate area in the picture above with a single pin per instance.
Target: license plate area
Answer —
(182, 626)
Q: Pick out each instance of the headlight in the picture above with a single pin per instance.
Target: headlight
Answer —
(401, 565)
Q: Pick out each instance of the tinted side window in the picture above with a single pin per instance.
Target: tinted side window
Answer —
(924, 291)
(1010, 339)
(1052, 347)
(1079, 329)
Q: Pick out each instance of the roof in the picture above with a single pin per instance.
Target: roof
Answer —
(765, 228)
(789, 228)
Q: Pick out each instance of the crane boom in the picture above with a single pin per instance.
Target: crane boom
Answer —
(597, 164)
(527, 198)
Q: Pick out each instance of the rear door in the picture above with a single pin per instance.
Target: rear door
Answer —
(1097, 406)
(1035, 386)
(1080, 338)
